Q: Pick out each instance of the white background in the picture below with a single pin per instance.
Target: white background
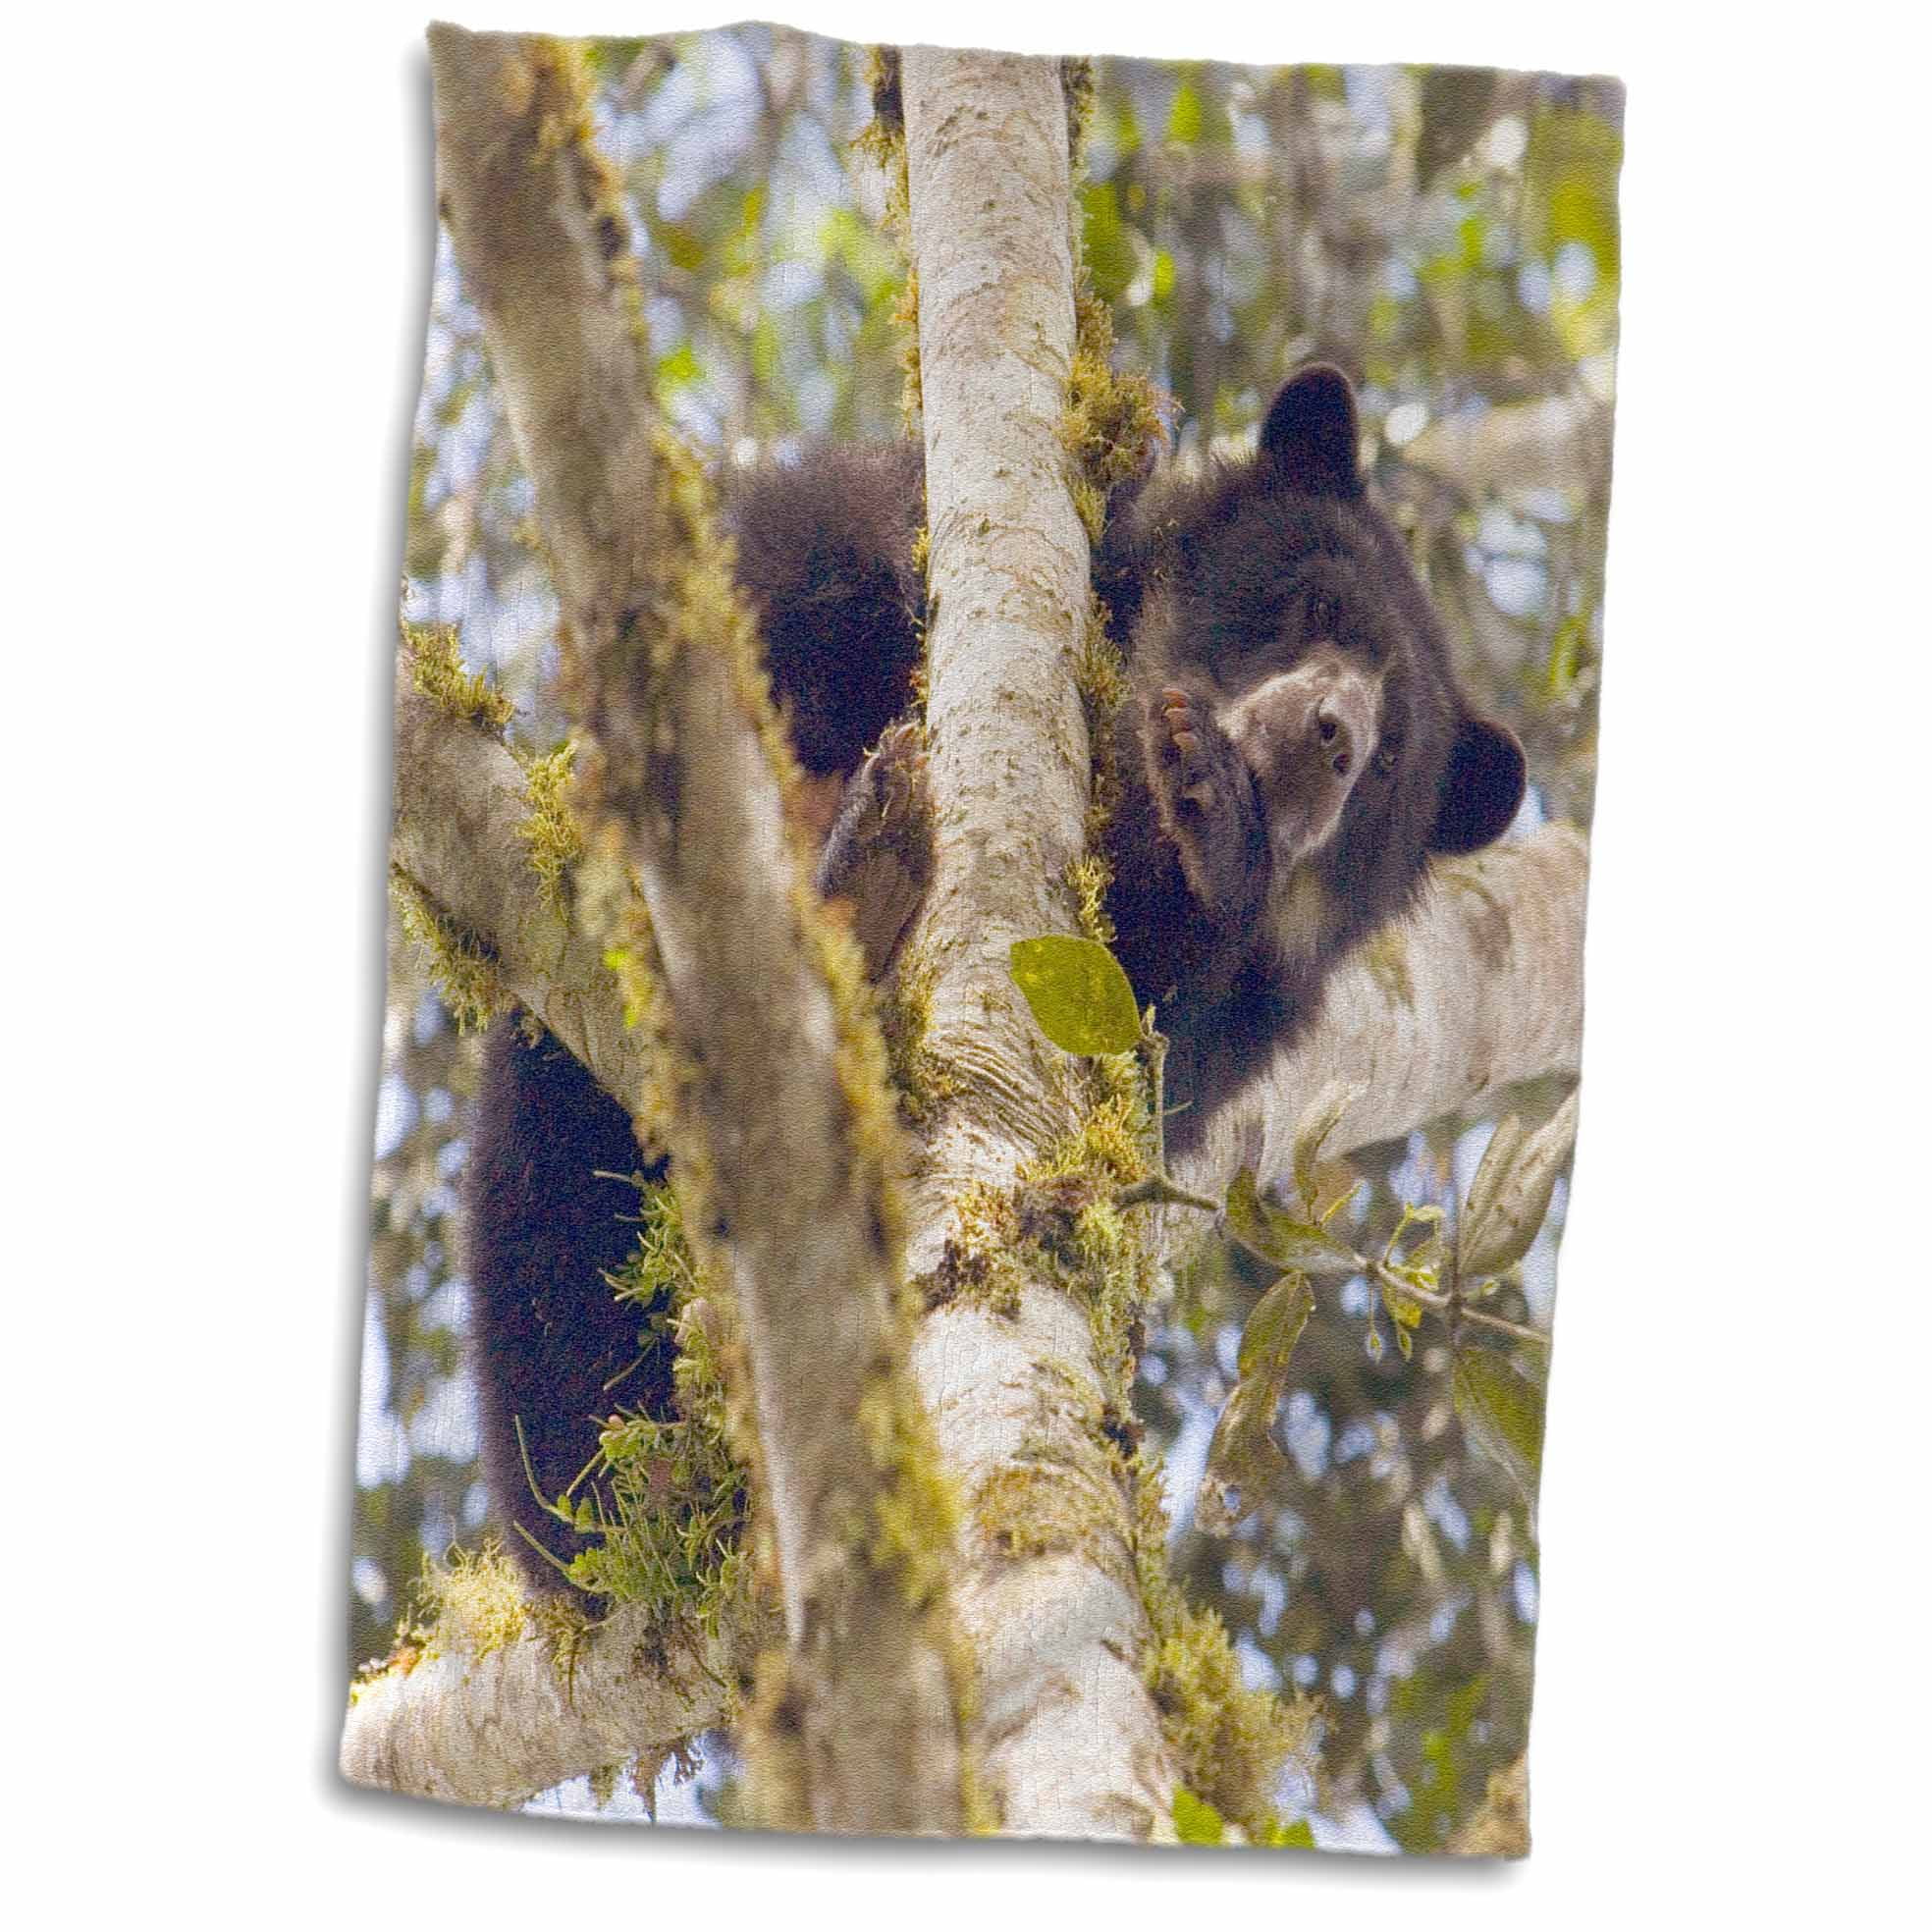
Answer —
(217, 226)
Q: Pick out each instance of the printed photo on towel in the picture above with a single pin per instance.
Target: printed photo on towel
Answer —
(997, 694)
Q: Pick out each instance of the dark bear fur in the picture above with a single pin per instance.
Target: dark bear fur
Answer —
(1295, 747)
(824, 556)
(551, 1347)
(1291, 751)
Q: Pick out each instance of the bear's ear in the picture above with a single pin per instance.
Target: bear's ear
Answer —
(1482, 789)
(1311, 436)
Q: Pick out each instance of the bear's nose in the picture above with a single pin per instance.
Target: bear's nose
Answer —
(1345, 722)
(1335, 736)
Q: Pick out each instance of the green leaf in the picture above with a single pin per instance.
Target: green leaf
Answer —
(1490, 1169)
(1275, 1326)
(1502, 1414)
(1507, 1203)
(1078, 993)
(1280, 1238)
(1195, 1821)
(1241, 1459)
(1184, 119)
(1299, 1834)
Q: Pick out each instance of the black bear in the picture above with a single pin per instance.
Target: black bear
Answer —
(1293, 749)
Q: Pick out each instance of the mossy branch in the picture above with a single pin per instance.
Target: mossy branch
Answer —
(767, 1057)
(492, 1725)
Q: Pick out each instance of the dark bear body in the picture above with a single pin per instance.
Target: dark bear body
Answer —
(1292, 751)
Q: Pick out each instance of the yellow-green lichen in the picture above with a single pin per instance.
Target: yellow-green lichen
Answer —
(438, 671)
(462, 963)
(1232, 1742)
(551, 832)
(470, 1605)
(1045, 1509)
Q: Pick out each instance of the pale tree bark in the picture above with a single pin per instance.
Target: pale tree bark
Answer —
(1481, 987)
(1070, 1742)
(460, 805)
(1066, 1735)
(496, 1728)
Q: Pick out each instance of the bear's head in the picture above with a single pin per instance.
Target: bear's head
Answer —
(1286, 600)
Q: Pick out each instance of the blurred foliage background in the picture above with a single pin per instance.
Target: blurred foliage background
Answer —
(1450, 237)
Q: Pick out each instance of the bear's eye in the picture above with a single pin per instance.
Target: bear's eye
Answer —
(1386, 754)
(1319, 619)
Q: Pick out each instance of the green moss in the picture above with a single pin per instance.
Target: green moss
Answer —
(861, 1061)
(1111, 426)
(464, 964)
(1077, 84)
(911, 1541)
(562, 95)
(552, 834)
(922, 1078)
(1232, 1742)
(882, 141)
(778, 1766)
(667, 1497)
(1088, 878)
(1102, 1259)
(977, 1266)
(438, 671)
(915, 1511)
(1044, 1509)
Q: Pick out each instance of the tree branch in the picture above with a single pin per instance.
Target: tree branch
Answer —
(458, 835)
(1559, 443)
(492, 1730)
(779, 1121)
(1481, 987)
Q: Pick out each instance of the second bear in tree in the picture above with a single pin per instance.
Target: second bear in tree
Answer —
(1293, 749)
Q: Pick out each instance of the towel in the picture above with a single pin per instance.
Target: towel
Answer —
(996, 723)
